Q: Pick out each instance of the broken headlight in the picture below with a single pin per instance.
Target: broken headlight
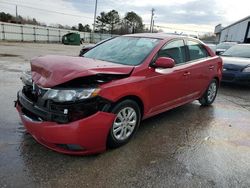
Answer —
(65, 95)
(26, 78)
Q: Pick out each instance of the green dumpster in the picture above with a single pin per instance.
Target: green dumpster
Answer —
(71, 39)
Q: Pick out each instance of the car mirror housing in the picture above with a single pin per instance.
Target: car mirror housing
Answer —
(164, 62)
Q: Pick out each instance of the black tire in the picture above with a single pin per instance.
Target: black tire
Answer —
(113, 140)
(208, 98)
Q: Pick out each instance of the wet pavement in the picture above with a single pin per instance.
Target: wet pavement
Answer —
(190, 146)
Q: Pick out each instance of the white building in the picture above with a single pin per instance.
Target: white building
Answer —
(236, 32)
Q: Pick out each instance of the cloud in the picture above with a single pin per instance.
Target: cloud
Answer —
(70, 14)
(194, 13)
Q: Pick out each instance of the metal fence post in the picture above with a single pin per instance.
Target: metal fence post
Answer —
(92, 37)
(3, 31)
(22, 33)
(34, 34)
(59, 31)
(48, 35)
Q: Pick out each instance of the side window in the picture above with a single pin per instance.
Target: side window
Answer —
(174, 50)
(196, 50)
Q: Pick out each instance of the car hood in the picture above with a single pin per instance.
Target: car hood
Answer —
(235, 63)
(50, 71)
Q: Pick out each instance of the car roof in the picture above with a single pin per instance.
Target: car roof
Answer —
(157, 35)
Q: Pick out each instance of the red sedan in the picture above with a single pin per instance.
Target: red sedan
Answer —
(82, 105)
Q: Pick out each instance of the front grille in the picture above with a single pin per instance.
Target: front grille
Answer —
(31, 114)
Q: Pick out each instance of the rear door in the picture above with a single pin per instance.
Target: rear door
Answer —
(198, 68)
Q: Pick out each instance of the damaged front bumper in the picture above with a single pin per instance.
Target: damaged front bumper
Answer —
(61, 112)
(86, 133)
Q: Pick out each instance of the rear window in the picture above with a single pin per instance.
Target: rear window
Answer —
(196, 50)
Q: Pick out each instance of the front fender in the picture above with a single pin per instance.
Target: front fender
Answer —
(131, 86)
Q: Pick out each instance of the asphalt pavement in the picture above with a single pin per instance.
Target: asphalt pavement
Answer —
(190, 146)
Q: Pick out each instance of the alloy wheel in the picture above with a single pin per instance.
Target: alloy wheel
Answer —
(125, 123)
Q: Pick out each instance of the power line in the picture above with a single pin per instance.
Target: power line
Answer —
(46, 10)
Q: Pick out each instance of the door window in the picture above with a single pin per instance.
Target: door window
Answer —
(174, 50)
(196, 50)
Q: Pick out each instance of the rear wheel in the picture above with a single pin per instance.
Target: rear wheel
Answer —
(127, 120)
(210, 94)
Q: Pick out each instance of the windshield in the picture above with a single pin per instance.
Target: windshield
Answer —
(238, 51)
(123, 50)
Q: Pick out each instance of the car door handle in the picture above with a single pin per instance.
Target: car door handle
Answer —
(211, 67)
(186, 73)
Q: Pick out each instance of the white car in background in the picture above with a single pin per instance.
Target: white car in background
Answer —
(222, 47)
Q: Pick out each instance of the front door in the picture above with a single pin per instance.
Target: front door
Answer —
(167, 87)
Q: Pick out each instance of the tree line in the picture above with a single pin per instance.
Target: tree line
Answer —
(111, 22)
(107, 22)
(6, 17)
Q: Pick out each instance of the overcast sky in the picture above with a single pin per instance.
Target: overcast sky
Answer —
(195, 15)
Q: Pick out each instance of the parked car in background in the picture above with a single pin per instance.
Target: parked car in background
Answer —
(236, 64)
(222, 47)
(212, 46)
(81, 105)
(90, 46)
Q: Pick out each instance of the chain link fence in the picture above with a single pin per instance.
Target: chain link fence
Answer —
(32, 33)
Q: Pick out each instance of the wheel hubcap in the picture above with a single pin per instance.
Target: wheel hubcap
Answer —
(124, 123)
(212, 91)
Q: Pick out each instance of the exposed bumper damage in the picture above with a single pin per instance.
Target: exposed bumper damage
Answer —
(71, 128)
(60, 112)
(76, 127)
(85, 136)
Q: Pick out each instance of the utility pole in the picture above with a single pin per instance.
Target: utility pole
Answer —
(95, 15)
(16, 14)
(151, 22)
(153, 25)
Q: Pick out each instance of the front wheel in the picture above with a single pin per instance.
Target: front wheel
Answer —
(210, 94)
(127, 120)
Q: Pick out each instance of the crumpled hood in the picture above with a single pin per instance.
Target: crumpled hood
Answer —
(235, 63)
(52, 70)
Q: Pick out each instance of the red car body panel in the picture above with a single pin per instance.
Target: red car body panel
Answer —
(49, 71)
(151, 86)
(157, 89)
(91, 133)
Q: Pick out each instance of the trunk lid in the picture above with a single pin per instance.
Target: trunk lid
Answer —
(52, 70)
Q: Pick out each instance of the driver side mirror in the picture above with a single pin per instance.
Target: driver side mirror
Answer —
(164, 62)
